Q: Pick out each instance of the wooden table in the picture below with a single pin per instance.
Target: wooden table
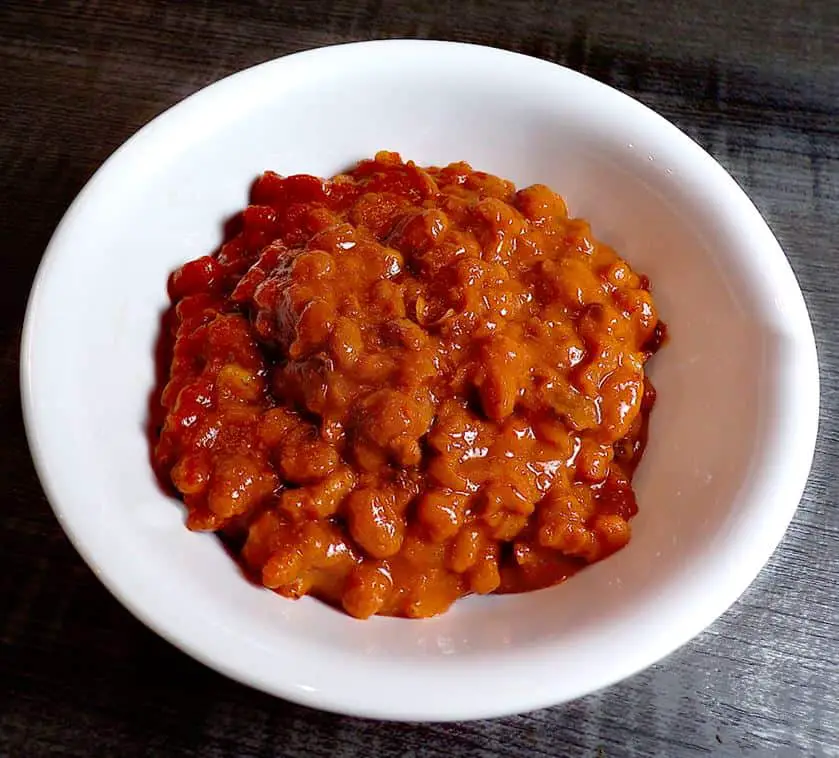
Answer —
(756, 82)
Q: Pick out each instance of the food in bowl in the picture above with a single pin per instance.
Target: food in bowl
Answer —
(712, 506)
(404, 385)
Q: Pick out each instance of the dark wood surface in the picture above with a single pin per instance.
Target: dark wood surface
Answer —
(754, 81)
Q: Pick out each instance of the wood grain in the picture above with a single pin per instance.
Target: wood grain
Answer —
(756, 82)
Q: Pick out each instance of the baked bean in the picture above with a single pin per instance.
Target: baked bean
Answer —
(313, 328)
(466, 549)
(487, 185)
(191, 474)
(620, 275)
(374, 523)
(313, 264)
(612, 530)
(377, 211)
(306, 458)
(259, 224)
(346, 343)
(319, 500)
(391, 418)
(622, 392)
(484, 576)
(236, 383)
(540, 204)
(420, 231)
(334, 238)
(283, 567)
(277, 424)
(502, 224)
(238, 483)
(265, 534)
(501, 375)
(562, 516)
(441, 512)
(406, 333)
(304, 555)
(404, 385)
(593, 460)
(638, 307)
(505, 510)
(198, 276)
(387, 300)
(367, 590)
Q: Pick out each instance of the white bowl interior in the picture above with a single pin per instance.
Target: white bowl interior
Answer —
(737, 382)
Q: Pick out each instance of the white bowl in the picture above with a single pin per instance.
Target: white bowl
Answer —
(732, 434)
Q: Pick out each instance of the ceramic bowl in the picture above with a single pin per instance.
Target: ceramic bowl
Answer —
(732, 434)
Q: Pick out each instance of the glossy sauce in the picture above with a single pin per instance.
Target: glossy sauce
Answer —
(403, 385)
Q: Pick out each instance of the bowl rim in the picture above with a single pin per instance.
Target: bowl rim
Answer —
(803, 430)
